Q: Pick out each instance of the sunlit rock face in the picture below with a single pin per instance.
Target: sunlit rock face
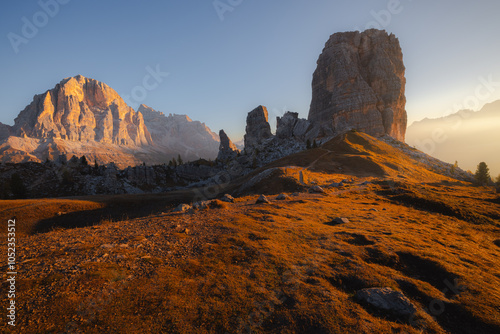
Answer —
(359, 83)
(82, 109)
(82, 116)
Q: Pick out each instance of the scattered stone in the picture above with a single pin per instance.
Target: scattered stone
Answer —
(366, 183)
(337, 185)
(316, 189)
(295, 194)
(341, 221)
(388, 300)
(201, 205)
(183, 208)
(373, 209)
(262, 199)
(227, 198)
(282, 197)
(107, 246)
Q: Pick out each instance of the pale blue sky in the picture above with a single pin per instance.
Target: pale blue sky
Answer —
(262, 52)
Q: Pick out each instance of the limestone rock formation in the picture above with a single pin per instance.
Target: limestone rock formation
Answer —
(82, 116)
(178, 134)
(359, 83)
(227, 150)
(82, 109)
(290, 125)
(257, 129)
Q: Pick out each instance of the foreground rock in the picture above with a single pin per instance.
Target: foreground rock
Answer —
(359, 83)
(317, 190)
(388, 300)
(262, 199)
(227, 198)
(183, 208)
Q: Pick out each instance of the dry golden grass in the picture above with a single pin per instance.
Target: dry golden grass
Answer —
(284, 267)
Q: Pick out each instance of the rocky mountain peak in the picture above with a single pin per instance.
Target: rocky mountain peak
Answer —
(82, 109)
(359, 83)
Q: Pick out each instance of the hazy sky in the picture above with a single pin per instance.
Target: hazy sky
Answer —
(221, 63)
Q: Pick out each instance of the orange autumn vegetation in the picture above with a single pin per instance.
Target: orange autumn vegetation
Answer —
(284, 267)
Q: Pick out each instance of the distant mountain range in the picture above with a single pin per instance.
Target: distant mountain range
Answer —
(82, 116)
(467, 136)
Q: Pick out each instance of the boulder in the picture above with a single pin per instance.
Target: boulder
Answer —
(227, 198)
(262, 199)
(341, 220)
(282, 197)
(183, 208)
(201, 205)
(316, 189)
(387, 299)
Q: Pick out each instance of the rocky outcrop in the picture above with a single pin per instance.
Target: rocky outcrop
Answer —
(290, 125)
(82, 109)
(262, 147)
(359, 83)
(178, 134)
(258, 129)
(227, 150)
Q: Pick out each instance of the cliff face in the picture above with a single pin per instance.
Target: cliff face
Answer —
(359, 83)
(82, 109)
(178, 134)
(82, 116)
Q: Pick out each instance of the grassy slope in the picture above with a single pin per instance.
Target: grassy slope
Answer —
(282, 267)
